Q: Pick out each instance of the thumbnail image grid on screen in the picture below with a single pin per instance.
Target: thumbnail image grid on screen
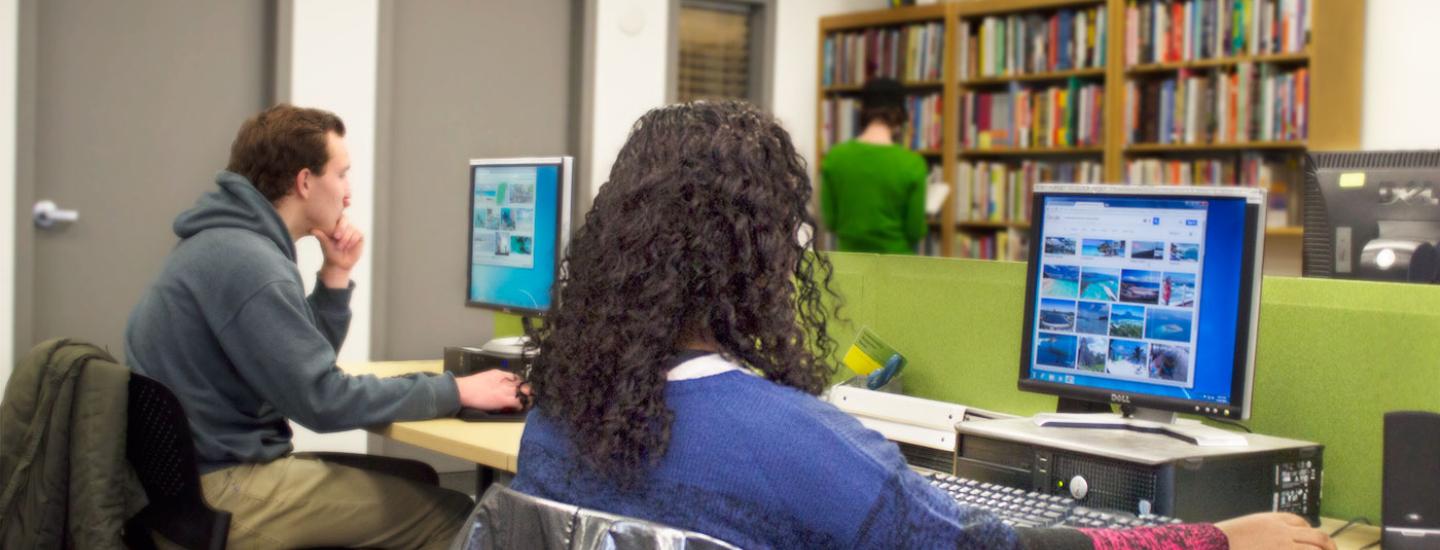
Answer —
(513, 235)
(1118, 299)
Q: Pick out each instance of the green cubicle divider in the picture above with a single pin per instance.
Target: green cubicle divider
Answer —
(1333, 356)
(508, 325)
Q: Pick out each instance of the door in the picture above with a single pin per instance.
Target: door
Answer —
(458, 80)
(127, 110)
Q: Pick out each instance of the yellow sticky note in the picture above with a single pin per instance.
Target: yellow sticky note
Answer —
(860, 363)
(1351, 180)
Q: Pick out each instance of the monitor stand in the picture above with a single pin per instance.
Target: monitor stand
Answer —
(1140, 419)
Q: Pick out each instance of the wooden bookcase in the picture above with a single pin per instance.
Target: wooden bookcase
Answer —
(1333, 56)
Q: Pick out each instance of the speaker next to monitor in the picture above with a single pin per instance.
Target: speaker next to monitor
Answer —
(1410, 508)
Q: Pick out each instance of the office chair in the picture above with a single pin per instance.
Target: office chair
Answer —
(160, 449)
(506, 519)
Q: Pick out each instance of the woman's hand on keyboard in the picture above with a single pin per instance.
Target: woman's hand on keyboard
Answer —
(1274, 530)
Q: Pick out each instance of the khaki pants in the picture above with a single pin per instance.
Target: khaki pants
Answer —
(297, 502)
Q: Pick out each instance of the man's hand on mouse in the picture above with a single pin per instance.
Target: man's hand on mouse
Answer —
(493, 390)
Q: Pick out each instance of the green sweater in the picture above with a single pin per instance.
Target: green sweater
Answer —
(873, 197)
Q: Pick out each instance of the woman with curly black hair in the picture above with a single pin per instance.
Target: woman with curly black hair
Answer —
(676, 376)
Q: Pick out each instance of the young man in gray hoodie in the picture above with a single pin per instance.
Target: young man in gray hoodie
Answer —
(227, 327)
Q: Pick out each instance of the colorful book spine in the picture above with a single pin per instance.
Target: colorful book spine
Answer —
(1001, 191)
(909, 54)
(840, 121)
(1280, 174)
(1029, 43)
(1161, 31)
(1068, 115)
(1245, 103)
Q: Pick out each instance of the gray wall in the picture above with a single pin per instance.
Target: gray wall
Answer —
(458, 80)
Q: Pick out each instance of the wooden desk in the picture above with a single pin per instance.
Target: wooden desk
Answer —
(1354, 538)
(487, 444)
(495, 445)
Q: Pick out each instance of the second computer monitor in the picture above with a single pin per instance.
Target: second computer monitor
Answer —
(1144, 296)
(1373, 215)
(518, 227)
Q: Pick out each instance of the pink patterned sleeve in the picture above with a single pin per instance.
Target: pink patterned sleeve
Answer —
(1193, 536)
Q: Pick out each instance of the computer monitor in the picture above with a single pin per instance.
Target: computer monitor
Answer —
(518, 228)
(1147, 297)
(1373, 215)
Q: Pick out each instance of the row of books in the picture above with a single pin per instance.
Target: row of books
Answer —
(1282, 175)
(1000, 191)
(1010, 244)
(1058, 116)
(1030, 43)
(909, 53)
(925, 132)
(1245, 104)
(841, 121)
(1160, 31)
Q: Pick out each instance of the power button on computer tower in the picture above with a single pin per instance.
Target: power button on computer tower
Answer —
(1079, 487)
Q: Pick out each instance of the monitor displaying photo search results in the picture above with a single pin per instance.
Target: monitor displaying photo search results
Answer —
(518, 227)
(1144, 295)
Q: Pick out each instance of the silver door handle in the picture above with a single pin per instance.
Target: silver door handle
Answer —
(47, 215)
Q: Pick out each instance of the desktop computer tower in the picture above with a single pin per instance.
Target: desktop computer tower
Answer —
(1143, 473)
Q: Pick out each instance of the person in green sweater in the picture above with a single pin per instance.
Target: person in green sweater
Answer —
(872, 189)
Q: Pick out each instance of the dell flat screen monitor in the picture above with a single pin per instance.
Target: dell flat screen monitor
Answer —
(1144, 296)
(1373, 215)
(519, 225)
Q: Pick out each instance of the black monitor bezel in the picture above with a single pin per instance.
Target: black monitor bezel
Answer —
(564, 164)
(1242, 376)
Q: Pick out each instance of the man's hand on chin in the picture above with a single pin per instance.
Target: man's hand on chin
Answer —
(342, 248)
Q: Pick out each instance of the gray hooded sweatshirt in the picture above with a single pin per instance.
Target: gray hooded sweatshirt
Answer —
(227, 327)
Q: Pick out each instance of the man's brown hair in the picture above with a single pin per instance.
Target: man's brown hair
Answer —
(276, 144)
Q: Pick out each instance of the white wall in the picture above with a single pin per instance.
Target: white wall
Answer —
(1401, 75)
(631, 41)
(334, 51)
(9, 73)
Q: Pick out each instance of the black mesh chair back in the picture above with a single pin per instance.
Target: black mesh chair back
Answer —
(160, 448)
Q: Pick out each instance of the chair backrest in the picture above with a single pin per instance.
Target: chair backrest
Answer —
(506, 519)
(160, 448)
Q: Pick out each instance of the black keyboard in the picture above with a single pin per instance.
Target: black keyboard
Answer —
(1021, 508)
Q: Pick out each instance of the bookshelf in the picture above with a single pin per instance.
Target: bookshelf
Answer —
(1033, 93)
(1123, 60)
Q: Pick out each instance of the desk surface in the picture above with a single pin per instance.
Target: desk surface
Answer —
(493, 444)
(496, 444)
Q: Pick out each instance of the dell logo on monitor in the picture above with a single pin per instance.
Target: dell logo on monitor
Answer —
(1415, 192)
(1120, 398)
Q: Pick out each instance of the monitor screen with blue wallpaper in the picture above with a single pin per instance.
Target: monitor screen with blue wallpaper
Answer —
(519, 223)
(1143, 297)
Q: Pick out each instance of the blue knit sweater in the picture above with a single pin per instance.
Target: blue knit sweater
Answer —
(761, 465)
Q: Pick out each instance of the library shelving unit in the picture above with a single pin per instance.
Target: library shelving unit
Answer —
(1033, 81)
(1124, 91)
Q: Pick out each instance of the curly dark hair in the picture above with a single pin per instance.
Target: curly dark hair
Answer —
(692, 239)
